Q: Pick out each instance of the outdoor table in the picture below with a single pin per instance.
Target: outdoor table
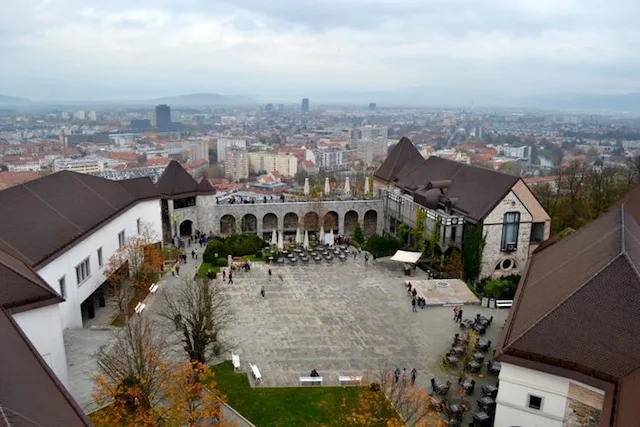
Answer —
(452, 360)
(495, 368)
(482, 345)
(473, 366)
(270, 260)
(289, 255)
(486, 403)
(478, 357)
(293, 260)
(482, 419)
(489, 390)
(457, 350)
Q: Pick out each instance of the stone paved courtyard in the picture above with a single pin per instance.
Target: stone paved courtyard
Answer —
(342, 319)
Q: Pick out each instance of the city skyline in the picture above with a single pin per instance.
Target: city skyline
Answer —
(457, 51)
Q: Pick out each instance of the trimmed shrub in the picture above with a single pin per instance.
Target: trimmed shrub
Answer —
(381, 246)
(221, 262)
(235, 245)
(259, 255)
(211, 274)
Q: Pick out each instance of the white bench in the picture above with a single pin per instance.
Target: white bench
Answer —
(236, 361)
(256, 373)
(346, 380)
(153, 288)
(311, 380)
(139, 307)
(504, 303)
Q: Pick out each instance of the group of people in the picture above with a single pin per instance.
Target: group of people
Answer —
(402, 375)
(416, 301)
(457, 313)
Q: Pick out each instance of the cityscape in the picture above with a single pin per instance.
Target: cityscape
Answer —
(333, 214)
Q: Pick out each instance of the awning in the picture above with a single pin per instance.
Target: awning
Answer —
(406, 257)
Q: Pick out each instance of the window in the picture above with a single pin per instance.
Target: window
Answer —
(62, 283)
(537, 232)
(535, 402)
(138, 226)
(453, 233)
(121, 239)
(100, 261)
(83, 271)
(184, 203)
(510, 228)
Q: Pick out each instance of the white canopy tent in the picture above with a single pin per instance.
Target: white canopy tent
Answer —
(406, 257)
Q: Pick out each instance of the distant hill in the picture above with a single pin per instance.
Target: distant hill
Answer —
(205, 99)
(585, 102)
(13, 100)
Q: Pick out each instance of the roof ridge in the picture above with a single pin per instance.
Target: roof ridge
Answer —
(95, 192)
(575, 291)
(578, 254)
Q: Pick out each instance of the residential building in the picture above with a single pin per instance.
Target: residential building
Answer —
(63, 228)
(332, 158)
(522, 152)
(304, 107)
(79, 115)
(368, 150)
(236, 166)
(372, 106)
(457, 197)
(284, 164)
(569, 348)
(163, 117)
(87, 164)
(92, 116)
(225, 144)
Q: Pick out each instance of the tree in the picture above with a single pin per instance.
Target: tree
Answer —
(131, 373)
(142, 158)
(214, 172)
(358, 234)
(199, 311)
(413, 406)
(510, 168)
(300, 176)
(133, 267)
(419, 232)
(453, 267)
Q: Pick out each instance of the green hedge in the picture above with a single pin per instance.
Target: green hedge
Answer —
(381, 246)
(499, 288)
(234, 245)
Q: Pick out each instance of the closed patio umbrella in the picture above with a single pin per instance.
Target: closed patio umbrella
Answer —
(281, 241)
(306, 239)
(274, 237)
(306, 187)
(347, 187)
(327, 187)
(366, 186)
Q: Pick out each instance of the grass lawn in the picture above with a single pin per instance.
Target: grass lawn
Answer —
(206, 267)
(283, 406)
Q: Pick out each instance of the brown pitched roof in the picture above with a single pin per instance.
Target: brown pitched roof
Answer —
(205, 187)
(141, 188)
(30, 394)
(20, 288)
(475, 190)
(577, 306)
(175, 181)
(403, 153)
(42, 217)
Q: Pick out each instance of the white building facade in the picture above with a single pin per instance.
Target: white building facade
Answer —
(533, 398)
(225, 144)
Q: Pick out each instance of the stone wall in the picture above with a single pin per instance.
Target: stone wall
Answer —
(206, 217)
(492, 229)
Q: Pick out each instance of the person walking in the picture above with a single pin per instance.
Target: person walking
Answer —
(173, 271)
(262, 292)
(269, 274)
(366, 259)
(224, 274)
(196, 251)
(230, 278)
(177, 271)
(414, 374)
(396, 374)
(193, 254)
(413, 304)
(456, 308)
(459, 319)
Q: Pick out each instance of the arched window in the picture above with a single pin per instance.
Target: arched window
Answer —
(510, 228)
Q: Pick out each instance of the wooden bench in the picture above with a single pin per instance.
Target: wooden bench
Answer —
(504, 303)
(235, 359)
(256, 373)
(139, 307)
(350, 380)
(153, 288)
(311, 380)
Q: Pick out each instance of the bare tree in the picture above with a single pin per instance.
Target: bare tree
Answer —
(133, 362)
(200, 312)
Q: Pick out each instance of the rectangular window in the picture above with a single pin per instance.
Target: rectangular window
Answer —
(121, 239)
(535, 402)
(453, 233)
(83, 271)
(537, 232)
(62, 283)
(510, 228)
(138, 226)
(100, 261)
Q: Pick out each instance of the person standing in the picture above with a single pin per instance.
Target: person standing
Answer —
(366, 259)
(269, 274)
(177, 271)
(459, 319)
(196, 251)
(413, 304)
(396, 374)
(262, 292)
(456, 308)
(193, 254)
(230, 278)
(414, 374)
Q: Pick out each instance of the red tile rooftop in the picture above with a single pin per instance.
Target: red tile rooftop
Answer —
(9, 179)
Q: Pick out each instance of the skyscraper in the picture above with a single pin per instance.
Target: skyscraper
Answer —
(372, 106)
(305, 105)
(163, 117)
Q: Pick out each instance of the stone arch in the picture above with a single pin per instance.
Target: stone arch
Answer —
(269, 222)
(370, 222)
(290, 221)
(227, 225)
(507, 265)
(311, 221)
(350, 222)
(186, 228)
(331, 221)
(249, 224)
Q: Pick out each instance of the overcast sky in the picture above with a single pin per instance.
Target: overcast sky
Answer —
(131, 49)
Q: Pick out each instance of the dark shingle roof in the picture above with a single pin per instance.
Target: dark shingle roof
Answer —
(175, 181)
(141, 188)
(30, 394)
(42, 217)
(476, 189)
(21, 288)
(577, 304)
(205, 187)
(403, 153)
